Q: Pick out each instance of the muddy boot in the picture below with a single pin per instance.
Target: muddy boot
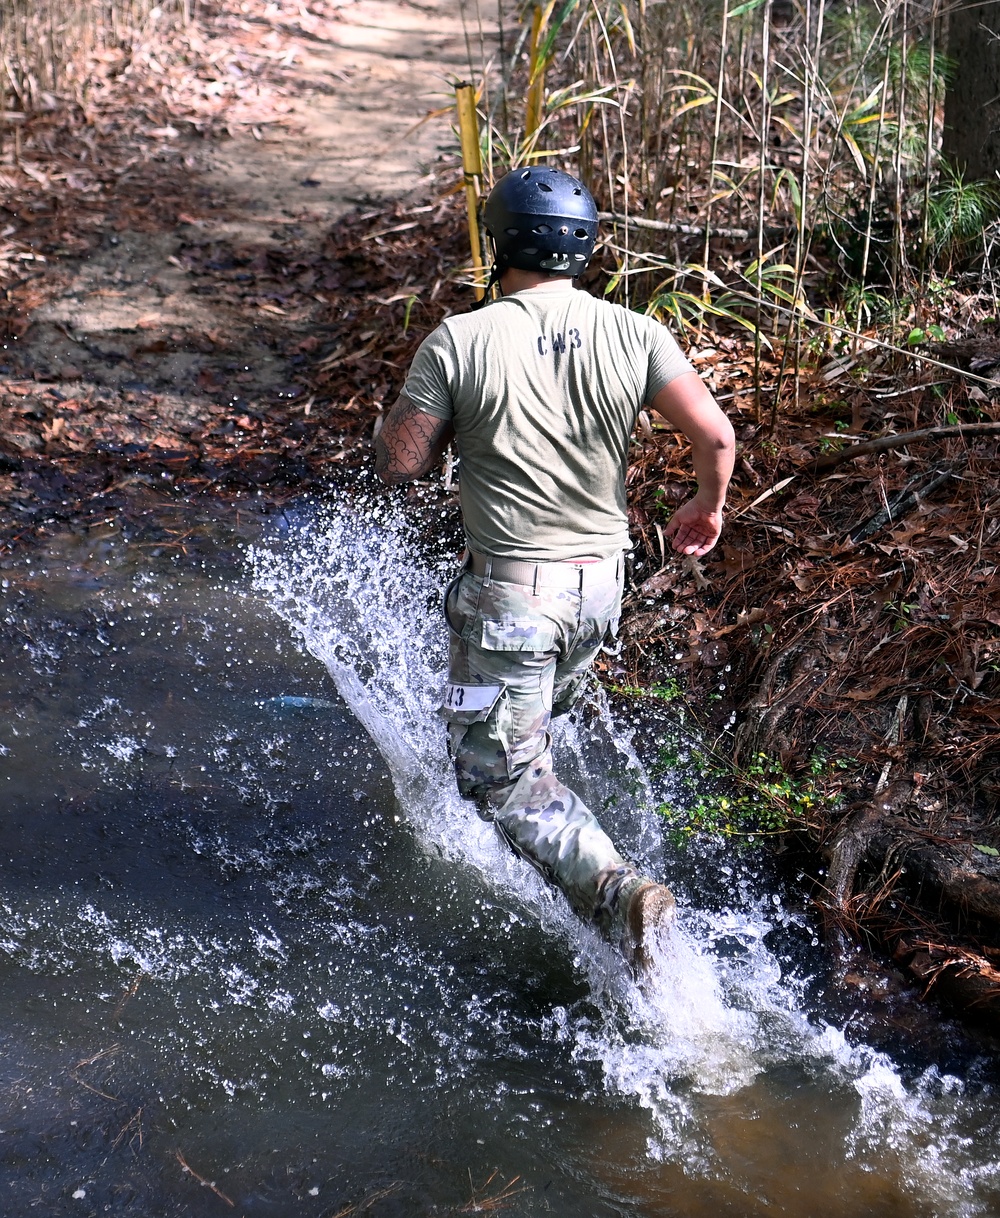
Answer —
(649, 912)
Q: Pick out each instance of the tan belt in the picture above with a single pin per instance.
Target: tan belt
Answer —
(579, 575)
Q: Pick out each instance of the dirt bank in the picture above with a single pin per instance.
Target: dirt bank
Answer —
(840, 653)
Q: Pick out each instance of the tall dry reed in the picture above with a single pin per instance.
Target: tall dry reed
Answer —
(45, 45)
(724, 141)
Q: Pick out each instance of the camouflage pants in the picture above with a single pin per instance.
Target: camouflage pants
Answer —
(519, 655)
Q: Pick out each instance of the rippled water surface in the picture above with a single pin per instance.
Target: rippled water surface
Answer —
(256, 957)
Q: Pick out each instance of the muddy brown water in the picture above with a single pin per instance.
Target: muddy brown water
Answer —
(254, 950)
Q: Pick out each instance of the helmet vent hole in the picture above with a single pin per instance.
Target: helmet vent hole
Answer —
(545, 186)
(541, 229)
(525, 175)
(512, 232)
(564, 230)
(581, 234)
(578, 191)
(530, 250)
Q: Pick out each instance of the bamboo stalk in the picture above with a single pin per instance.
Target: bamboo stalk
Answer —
(717, 124)
(644, 178)
(929, 145)
(622, 103)
(765, 124)
(502, 59)
(536, 83)
(606, 145)
(872, 189)
(472, 167)
(482, 58)
(811, 64)
(899, 238)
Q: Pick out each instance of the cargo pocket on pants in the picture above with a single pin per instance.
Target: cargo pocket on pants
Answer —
(461, 618)
(480, 730)
(531, 635)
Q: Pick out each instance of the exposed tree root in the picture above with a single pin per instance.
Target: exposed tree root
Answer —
(885, 873)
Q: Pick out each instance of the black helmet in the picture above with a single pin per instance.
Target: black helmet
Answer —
(541, 219)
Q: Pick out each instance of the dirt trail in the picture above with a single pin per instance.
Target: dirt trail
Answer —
(178, 288)
(381, 69)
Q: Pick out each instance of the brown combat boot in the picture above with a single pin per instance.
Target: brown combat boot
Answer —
(650, 912)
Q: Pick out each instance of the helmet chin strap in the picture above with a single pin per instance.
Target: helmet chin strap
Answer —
(485, 298)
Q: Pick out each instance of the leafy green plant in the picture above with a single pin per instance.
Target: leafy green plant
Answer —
(410, 302)
(665, 691)
(917, 335)
(503, 150)
(718, 299)
(869, 306)
(690, 311)
(760, 800)
(958, 212)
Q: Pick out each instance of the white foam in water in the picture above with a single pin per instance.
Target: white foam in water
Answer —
(351, 591)
(349, 586)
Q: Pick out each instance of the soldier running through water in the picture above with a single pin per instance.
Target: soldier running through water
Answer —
(541, 390)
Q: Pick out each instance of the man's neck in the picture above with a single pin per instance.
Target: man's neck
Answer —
(514, 280)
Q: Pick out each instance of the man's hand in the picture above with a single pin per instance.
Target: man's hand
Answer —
(410, 443)
(687, 405)
(694, 529)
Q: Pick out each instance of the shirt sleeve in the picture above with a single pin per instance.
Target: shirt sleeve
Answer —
(666, 360)
(429, 380)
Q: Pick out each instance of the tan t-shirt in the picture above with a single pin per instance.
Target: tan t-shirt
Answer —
(543, 388)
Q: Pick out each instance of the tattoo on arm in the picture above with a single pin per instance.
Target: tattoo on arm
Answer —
(410, 442)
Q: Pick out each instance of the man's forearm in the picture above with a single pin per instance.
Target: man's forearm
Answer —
(687, 405)
(713, 467)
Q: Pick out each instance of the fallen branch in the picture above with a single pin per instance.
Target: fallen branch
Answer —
(670, 226)
(480, 1203)
(897, 507)
(964, 978)
(884, 443)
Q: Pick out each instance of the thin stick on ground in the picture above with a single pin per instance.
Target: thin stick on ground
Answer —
(886, 443)
(89, 1061)
(480, 1203)
(764, 119)
(367, 1203)
(186, 1167)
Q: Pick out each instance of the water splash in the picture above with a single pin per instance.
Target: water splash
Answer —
(350, 586)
